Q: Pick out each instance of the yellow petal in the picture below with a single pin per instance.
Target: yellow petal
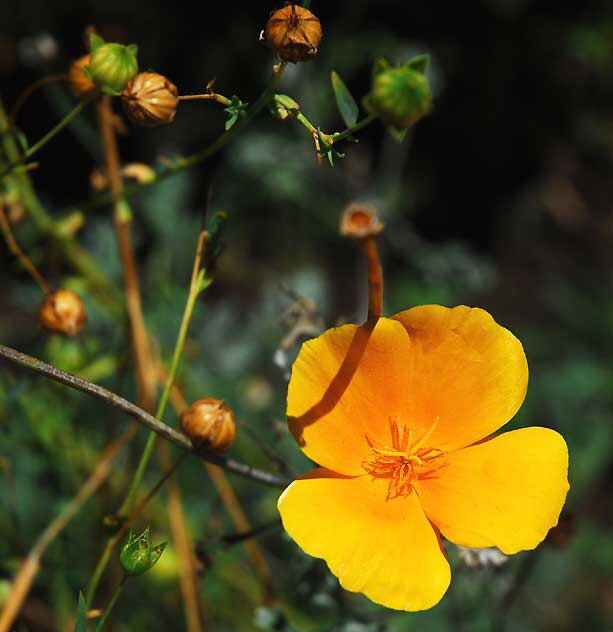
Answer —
(345, 384)
(387, 550)
(467, 374)
(506, 492)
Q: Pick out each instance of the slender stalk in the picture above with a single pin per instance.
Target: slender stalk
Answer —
(335, 138)
(375, 278)
(211, 96)
(29, 568)
(46, 138)
(14, 247)
(114, 540)
(141, 346)
(111, 603)
(194, 290)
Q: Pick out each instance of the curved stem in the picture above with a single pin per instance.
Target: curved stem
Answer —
(356, 128)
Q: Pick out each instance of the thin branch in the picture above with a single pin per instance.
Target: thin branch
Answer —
(144, 418)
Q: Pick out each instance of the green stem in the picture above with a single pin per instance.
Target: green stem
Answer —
(46, 138)
(356, 128)
(194, 291)
(196, 158)
(209, 96)
(111, 603)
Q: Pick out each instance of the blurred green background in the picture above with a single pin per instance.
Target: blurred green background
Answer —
(501, 198)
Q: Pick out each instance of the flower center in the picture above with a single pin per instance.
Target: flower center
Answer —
(403, 462)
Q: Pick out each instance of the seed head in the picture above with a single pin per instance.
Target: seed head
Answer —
(210, 424)
(63, 311)
(294, 32)
(111, 65)
(150, 99)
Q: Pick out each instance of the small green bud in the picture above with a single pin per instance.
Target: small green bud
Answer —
(111, 65)
(138, 556)
(400, 96)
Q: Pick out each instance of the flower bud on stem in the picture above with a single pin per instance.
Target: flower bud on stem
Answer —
(362, 223)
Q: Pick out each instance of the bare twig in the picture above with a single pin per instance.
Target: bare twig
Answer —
(144, 418)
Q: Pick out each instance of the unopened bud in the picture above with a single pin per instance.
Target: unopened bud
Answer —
(80, 83)
(137, 555)
(284, 107)
(111, 65)
(293, 32)
(150, 99)
(63, 311)
(210, 424)
(400, 96)
(360, 221)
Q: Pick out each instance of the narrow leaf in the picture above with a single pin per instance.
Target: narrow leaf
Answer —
(347, 106)
(81, 620)
(419, 63)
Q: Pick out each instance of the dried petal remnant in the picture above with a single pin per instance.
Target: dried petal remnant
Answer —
(360, 221)
(294, 32)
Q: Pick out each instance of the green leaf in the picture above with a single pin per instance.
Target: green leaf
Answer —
(419, 63)
(234, 111)
(81, 620)
(347, 106)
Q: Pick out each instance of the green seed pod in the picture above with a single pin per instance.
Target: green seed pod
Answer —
(400, 96)
(111, 66)
(137, 555)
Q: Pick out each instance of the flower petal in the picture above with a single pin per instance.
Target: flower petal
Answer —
(345, 384)
(468, 374)
(387, 550)
(506, 492)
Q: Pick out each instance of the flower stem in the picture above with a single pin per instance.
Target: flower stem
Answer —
(111, 603)
(375, 278)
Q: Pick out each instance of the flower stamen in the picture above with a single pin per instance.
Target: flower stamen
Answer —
(402, 462)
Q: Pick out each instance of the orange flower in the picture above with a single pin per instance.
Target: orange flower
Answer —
(396, 412)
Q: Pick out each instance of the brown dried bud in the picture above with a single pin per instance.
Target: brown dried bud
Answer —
(294, 32)
(63, 311)
(79, 82)
(210, 424)
(150, 99)
(360, 221)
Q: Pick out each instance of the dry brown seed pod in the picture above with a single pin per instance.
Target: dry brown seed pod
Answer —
(360, 221)
(79, 81)
(62, 311)
(294, 32)
(210, 424)
(150, 99)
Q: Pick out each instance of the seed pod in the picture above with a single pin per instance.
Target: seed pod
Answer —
(294, 32)
(137, 555)
(111, 65)
(63, 311)
(79, 82)
(400, 96)
(360, 221)
(150, 99)
(210, 424)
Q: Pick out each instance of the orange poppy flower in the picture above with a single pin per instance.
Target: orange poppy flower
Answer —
(397, 413)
